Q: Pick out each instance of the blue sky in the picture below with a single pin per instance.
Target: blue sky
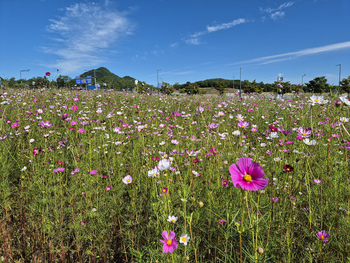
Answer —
(188, 40)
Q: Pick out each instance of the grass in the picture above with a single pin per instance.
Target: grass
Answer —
(77, 215)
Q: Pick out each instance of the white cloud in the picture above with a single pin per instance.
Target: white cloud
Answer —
(194, 38)
(296, 54)
(82, 33)
(226, 25)
(276, 13)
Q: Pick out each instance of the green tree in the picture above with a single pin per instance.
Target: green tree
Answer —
(345, 85)
(191, 88)
(62, 81)
(219, 86)
(251, 87)
(166, 88)
(317, 85)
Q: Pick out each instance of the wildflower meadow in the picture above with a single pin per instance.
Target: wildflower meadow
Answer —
(107, 176)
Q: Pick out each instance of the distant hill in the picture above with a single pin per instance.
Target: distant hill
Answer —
(103, 75)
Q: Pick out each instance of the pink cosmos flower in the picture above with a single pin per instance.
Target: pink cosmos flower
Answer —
(304, 133)
(93, 172)
(169, 242)
(75, 108)
(225, 183)
(108, 188)
(14, 125)
(323, 235)
(317, 181)
(81, 130)
(243, 124)
(248, 175)
(45, 124)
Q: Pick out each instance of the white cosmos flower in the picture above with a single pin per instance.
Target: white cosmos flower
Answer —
(127, 179)
(274, 135)
(164, 164)
(153, 173)
(308, 142)
(344, 119)
(345, 100)
(236, 133)
(172, 219)
(317, 100)
(162, 143)
(184, 239)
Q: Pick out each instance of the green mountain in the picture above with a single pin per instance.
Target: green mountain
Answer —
(103, 75)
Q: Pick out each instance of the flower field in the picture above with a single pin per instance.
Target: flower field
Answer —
(105, 176)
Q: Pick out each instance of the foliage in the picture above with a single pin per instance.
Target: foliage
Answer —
(166, 88)
(345, 85)
(65, 155)
(220, 86)
(317, 85)
(251, 87)
(190, 88)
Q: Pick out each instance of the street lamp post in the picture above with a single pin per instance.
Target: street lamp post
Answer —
(302, 81)
(20, 73)
(339, 76)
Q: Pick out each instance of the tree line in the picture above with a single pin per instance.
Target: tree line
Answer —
(317, 85)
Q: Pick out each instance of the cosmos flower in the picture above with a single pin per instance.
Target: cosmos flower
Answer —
(165, 190)
(36, 151)
(317, 181)
(15, 125)
(154, 172)
(345, 100)
(222, 222)
(273, 129)
(288, 168)
(236, 133)
(164, 164)
(172, 219)
(169, 242)
(225, 183)
(44, 124)
(127, 179)
(248, 175)
(317, 100)
(308, 142)
(323, 235)
(184, 239)
(243, 124)
(304, 133)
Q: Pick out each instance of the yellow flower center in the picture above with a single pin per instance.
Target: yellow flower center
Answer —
(128, 181)
(322, 237)
(169, 242)
(247, 177)
(316, 100)
(184, 239)
(304, 134)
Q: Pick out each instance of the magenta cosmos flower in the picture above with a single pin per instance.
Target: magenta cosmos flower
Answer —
(248, 175)
(169, 242)
(323, 235)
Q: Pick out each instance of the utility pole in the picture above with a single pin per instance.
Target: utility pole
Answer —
(339, 76)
